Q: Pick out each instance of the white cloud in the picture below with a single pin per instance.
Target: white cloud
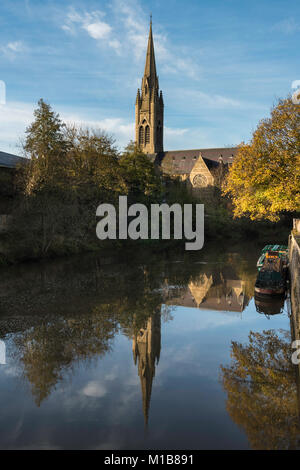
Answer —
(94, 389)
(94, 25)
(121, 130)
(215, 101)
(171, 60)
(174, 132)
(11, 49)
(98, 30)
(287, 26)
(16, 116)
(115, 44)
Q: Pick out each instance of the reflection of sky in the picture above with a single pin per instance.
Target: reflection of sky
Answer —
(100, 405)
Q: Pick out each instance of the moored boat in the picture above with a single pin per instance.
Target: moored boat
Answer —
(273, 251)
(271, 279)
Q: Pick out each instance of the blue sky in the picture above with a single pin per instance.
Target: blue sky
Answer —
(221, 64)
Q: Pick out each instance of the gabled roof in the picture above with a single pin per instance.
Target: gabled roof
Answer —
(183, 161)
(8, 160)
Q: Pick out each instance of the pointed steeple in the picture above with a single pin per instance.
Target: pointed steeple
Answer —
(150, 67)
(149, 106)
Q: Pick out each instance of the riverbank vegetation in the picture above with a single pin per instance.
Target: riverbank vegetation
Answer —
(71, 170)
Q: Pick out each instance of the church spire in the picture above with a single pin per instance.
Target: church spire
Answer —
(149, 106)
(150, 67)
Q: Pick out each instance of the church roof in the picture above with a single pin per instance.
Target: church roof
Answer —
(183, 161)
(8, 160)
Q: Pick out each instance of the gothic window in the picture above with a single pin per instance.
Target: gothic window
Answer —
(141, 135)
(147, 135)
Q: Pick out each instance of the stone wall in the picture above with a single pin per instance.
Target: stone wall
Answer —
(296, 225)
(294, 268)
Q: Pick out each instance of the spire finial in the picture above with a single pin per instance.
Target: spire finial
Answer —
(150, 19)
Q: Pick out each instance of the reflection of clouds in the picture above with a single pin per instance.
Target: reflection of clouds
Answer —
(11, 371)
(194, 319)
(94, 389)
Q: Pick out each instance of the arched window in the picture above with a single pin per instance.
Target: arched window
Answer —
(141, 135)
(147, 135)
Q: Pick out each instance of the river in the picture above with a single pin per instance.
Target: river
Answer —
(145, 352)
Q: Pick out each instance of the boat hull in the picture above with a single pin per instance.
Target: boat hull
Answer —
(270, 290)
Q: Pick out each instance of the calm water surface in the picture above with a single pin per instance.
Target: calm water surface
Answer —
(161, 352)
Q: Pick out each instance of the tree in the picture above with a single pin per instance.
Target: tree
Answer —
(93, 165)
(139, 173)
(46, 147)
(264, 179)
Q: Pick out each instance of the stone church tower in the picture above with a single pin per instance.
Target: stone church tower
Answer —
(149, 107)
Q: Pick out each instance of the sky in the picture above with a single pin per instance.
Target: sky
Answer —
(222, 65)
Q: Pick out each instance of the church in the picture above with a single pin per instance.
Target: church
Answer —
(197, 166)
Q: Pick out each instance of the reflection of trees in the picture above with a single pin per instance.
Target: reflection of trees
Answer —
(48, 350)
(70, 310)
(261, 389)
(85, 321)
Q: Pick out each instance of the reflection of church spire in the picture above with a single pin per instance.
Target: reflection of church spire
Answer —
(146, 349)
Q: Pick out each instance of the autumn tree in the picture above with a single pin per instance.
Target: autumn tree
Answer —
(264, 179)
(261, 389)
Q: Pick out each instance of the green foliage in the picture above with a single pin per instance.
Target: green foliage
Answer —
(92, 165)
(45, 146)
(70, 171)
(143, 182)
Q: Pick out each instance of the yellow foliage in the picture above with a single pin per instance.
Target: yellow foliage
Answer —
(264, 179)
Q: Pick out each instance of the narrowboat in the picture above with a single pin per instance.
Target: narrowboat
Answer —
(273, 251)
(272, 276)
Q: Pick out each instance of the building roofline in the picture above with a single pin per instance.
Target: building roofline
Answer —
(201, 149)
